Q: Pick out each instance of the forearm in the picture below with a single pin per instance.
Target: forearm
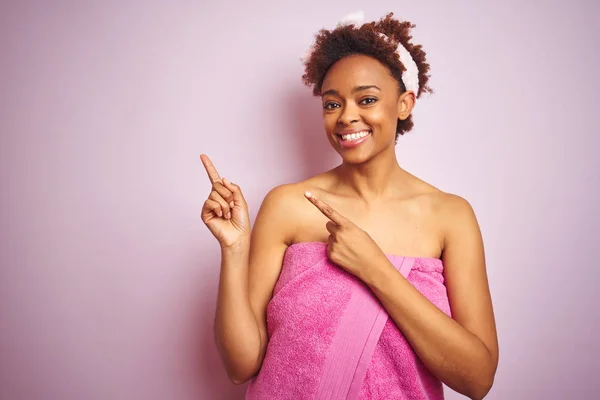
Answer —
(454, 355)
(236, 331)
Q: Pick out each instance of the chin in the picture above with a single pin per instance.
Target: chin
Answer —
(355, 158)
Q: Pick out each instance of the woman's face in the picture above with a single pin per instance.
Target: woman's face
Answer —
(361, 107)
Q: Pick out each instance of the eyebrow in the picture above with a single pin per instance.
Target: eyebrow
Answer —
(356, 89)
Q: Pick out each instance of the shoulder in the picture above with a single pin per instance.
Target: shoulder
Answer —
(454, 206)
(280, 196)
(452, 214)
(457, 218)
(286, 206)
(439, 203)
(288, 196)
(281, 203)
(450, 208)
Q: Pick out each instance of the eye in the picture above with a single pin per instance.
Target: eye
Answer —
(368, 100)
(330, 105)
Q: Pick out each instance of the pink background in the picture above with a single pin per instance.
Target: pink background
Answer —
(108, 276)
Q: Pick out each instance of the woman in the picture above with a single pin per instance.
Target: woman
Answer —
(362, 282)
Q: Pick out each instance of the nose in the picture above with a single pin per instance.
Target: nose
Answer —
(349, 115)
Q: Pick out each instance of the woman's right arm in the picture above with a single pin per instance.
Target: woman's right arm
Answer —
(250, 268)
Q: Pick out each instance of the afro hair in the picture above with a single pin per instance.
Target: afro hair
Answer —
(331, 46)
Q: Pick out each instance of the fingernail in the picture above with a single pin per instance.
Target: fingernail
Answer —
(228, 215)
(220, 213)
(226, 181)
(307, 194)
(231, 204)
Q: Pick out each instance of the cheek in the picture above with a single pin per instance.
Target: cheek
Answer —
(330, 121)
(383, 118)
(384, 114)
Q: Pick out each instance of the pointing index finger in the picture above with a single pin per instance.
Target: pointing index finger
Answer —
(326, 209)
(213, 175)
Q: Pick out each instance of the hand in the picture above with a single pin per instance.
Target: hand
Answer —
(225, 212)
(348, 246)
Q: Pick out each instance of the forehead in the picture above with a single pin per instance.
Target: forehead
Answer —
(357, 70)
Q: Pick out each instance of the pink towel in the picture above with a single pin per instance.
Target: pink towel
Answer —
(330, 338)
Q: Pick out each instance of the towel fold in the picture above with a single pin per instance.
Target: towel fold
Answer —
(330, 338)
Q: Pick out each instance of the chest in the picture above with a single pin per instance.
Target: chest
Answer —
(404, 227)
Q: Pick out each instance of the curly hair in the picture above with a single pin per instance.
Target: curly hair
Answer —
(331, 46)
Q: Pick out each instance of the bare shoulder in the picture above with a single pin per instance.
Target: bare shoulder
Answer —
(453, 211)
(454, 206)
(288, 199)
(287, 207)
(458, 225)
(282, 198)
(451, 214)
(442, 204)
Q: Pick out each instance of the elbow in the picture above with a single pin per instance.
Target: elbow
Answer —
(239, 372)
(238, 378)
(483, 380)
(237, 381)
(481, 387)
(240, 368)
(480, 391)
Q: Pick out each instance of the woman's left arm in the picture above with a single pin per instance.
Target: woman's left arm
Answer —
(461, 351)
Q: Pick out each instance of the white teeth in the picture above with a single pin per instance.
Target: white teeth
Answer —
(355, 136)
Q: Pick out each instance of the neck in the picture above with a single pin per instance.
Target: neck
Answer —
(371, 180)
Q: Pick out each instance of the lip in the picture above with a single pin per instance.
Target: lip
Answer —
(353, 143)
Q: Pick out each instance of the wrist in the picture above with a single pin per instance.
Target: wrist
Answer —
(238, 247)
(378, 272)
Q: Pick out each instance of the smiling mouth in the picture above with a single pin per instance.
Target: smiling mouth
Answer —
(353, 136)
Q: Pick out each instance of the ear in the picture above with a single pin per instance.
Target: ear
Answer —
(406, 102)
